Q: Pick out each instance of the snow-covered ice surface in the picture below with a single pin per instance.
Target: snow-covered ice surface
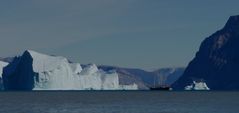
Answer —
(76, 68)
(57, 73)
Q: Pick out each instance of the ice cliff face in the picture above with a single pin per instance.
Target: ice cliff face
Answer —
(36, 71)
(2, 65)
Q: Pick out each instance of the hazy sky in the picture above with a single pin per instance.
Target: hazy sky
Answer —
(145, 34)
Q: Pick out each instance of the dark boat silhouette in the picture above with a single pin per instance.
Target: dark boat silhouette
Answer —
(163, 88)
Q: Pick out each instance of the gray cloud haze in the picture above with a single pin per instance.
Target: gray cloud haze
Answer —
(131, 33)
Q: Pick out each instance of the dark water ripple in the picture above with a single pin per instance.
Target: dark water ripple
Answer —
(119, 102)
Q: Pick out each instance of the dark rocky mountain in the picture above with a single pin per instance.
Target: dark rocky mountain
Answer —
(217, 61)
(145, 79)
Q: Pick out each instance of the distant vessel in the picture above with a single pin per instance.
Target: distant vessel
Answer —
(159, 83)
(197, 85)
(163, 88)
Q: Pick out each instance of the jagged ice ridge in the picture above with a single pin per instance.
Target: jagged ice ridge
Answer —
(57, 73)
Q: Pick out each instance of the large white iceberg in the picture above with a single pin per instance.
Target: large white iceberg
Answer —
(57, 73)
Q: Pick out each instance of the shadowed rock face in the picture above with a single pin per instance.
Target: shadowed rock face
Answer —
(19, 74)
(217, 61)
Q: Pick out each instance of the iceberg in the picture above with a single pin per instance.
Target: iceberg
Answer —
(37, 71)
(197, 85)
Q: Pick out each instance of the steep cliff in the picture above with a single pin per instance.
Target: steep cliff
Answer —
(217, 61)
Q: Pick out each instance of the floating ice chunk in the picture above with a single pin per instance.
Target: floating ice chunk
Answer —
(197, 85)
(189, 87)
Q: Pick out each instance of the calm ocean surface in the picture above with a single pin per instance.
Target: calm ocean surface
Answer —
(119, 102)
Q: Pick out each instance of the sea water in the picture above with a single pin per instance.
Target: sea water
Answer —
(119, 102)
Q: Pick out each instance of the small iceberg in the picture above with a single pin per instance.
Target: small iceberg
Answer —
(197, 85)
